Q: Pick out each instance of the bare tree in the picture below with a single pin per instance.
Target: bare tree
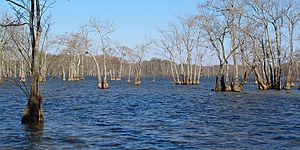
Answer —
(31, 13)
(292, 16)
(103, 31)
(139, 54)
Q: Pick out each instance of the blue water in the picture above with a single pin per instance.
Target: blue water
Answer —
(155, 115)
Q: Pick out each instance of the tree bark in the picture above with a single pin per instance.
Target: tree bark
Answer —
(33, 113)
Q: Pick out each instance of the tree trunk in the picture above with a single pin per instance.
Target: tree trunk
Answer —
(71, 72)
(137, 80)
(129, 73)
(33, 113)
(199, 72)
(43, 62)
(105, 83)
(235, 85)
(172, 72)
(81, 68)
(98, 70)
(120, 72)
(22, 73)
(1, 66)
(288, 82)
(261, 84)
(63, 73)
(226, 78)
(195, 69)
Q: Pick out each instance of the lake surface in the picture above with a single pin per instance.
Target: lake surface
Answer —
(155, 115)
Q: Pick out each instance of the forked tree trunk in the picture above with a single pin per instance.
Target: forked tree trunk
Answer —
(261, 84)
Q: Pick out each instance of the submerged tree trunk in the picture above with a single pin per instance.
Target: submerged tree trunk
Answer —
(227, 81)
(235, 84)
(137, 80)
(33, 113)
(98, 71)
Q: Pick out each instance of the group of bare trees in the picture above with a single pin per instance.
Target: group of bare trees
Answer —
(254, 35)
(261, 35)
(182, 44)
(108, 56)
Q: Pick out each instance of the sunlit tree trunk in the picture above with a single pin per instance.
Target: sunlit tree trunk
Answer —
(22, 72)
(235, 86)
(82, 68)
(291, 26)
(63, 73)
(43, 61)
(129, 73)
(105, 83)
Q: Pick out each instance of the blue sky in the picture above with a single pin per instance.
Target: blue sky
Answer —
(133, 19)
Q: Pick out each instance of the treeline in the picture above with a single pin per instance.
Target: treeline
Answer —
(246, 38)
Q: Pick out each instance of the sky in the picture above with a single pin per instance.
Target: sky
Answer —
(133, 19)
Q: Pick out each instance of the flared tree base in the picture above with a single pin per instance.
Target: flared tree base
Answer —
(33, 112)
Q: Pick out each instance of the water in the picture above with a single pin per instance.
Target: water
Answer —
(156, 115)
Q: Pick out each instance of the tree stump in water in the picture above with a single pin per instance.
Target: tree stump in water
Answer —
(137, 82)
(99, 85)
(105, 85)
(236, 88)
(33, 113)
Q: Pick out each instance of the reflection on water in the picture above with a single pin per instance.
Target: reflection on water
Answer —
(156, 115)
(33, 135)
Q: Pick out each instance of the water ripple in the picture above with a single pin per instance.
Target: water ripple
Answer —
(156, 115)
